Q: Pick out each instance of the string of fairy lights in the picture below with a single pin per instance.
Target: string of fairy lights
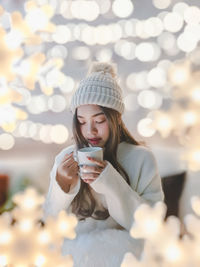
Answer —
(25, 243)
(35, 47)
(34, 51)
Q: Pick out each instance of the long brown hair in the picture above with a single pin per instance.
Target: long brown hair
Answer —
(84, 203)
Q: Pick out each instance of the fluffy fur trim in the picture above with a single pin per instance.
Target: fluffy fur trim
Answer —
(104, 67)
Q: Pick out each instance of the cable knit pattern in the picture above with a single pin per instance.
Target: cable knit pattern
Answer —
(100, 88)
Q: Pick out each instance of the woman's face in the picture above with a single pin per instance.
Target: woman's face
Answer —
(93, 124)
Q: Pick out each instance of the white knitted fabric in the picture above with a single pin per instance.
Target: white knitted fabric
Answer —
(100, 88)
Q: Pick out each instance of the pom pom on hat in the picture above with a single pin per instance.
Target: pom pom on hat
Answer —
(99, 88)
(104, 68)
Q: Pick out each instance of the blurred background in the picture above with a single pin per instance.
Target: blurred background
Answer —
(46, 47)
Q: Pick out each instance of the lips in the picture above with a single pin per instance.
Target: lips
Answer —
(94, 141)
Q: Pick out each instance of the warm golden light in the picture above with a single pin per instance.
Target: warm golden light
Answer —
(195, 94)
(145, 127)
(3, 260)
(189, 118)
(59, 134)
(173, 253)
(25, 242)
(5, 238)
(163, 123)
(40, 260)
(44, 237)
(179, 73)
(26, 225)
(8, 57)
(37, 48)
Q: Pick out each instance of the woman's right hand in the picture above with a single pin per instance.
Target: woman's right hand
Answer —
(67, 173)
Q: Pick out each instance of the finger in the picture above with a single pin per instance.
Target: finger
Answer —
(92, 176)
(67, 156)
(68, 162)
(93, 169)
(98, 162)
(73, 165)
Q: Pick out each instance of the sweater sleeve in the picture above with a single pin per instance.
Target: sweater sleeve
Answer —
(122, 199)
(56, 199)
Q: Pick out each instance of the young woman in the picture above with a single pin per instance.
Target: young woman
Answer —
(106, 196)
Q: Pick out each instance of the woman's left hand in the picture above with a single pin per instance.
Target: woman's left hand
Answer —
(90, 173)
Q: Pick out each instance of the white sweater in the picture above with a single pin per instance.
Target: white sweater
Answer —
(110, 188)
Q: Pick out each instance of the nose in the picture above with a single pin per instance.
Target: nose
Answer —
(91, 129)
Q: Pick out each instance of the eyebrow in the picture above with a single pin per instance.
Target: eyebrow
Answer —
(95, 115)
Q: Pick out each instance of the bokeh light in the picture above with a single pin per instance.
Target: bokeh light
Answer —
(59, 134)
(57, 51)
(137, 81)
(38, 104)
(122, 8)
(173, 22)
(104, 6)
(57, 103)
(149, 99)
(48, 48)
(62, 34)
(167, 40)
(145, 128)
(157, 77)
(44, 133)
(192, 15)
(104, 55)
(180, 8)
(161, 4)
(87, 10)
(67, 85)
(147, 52)
(7, 141)
(186, 42)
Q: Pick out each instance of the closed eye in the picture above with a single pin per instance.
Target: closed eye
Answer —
(99, 122)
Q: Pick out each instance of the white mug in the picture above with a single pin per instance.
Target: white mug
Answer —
(93, 152)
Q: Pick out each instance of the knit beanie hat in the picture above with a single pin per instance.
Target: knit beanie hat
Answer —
(100, 88)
